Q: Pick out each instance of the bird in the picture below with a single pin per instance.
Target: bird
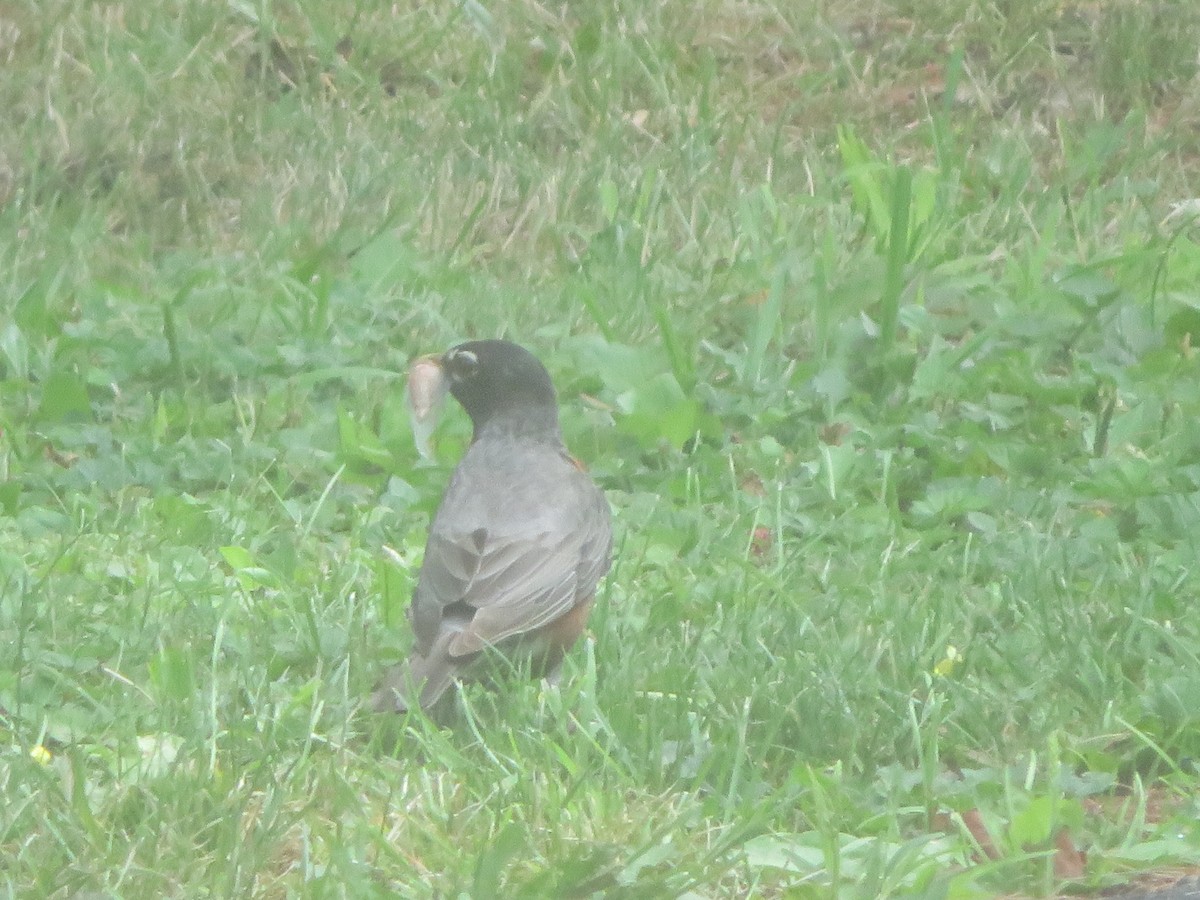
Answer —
(518, 544)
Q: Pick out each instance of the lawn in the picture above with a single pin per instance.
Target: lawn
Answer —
(875, 320)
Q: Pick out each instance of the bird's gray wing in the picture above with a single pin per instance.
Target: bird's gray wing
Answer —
(510, 580)
(513, 584)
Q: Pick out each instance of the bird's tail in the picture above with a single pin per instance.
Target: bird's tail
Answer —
(425, 678)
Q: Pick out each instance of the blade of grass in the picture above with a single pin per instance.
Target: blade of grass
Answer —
(897, 258)
(765, 326)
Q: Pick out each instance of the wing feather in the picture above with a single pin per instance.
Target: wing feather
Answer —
(513, 574)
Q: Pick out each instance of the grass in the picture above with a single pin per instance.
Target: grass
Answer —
(875, 321)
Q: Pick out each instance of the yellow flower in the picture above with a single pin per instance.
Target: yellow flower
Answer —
(946, 667)
(40, 754)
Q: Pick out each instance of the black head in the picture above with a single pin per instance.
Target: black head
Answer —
(501, 384)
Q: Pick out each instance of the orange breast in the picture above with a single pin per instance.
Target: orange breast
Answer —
(565, 630)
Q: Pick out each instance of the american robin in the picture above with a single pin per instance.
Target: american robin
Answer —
(520, 540)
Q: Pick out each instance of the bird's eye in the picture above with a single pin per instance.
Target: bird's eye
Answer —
(462, 364)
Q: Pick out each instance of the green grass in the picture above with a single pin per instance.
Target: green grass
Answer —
(874, 320)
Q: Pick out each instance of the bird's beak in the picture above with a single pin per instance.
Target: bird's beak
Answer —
(427, 389)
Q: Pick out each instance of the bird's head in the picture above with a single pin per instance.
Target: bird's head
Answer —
(501, 385)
